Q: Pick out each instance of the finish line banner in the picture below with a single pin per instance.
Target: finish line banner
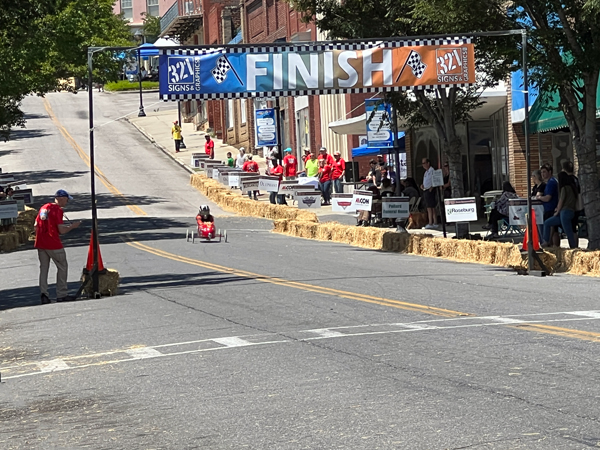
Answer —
(329, 68)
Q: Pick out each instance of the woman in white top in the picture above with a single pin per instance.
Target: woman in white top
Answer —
(241, 159)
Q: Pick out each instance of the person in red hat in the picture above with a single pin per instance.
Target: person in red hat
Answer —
(48, 228)
(176, 134)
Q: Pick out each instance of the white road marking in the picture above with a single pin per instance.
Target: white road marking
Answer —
(325, 333)
(52, 365)
(591, 314)
(143, 353)
(43, 367)
(232, 342)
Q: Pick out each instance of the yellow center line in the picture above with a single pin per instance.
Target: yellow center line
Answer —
(86, 159)
(302, 286)
(547, 329)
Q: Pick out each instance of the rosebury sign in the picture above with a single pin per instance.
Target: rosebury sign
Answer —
(233, 71)
(461, 209)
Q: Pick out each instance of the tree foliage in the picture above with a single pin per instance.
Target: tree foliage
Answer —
(44, 41)
(441, 108)
(564, 51)
(151, 28)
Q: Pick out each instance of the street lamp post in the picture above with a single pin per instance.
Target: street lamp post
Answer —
(140, 37)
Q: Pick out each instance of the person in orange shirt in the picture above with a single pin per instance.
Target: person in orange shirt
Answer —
(337, 175)
(209, 147)
(290, 165)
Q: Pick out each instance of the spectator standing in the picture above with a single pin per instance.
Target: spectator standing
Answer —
(48, 228)
(176, 134)
(143, 73)
(327, 157)
(565, 210)
(241, 159)
(306, 156)
(411, 190)
(251, 167)
(537, 183)
(312, 166)
(579, 212)
(549, 199)
(339, 170)
(277, 171)
(429, 195)
(325, 181)
(209, 147)
(500, 209)
(380, 161)
(290, 165)
(374, 175)
(230, 161)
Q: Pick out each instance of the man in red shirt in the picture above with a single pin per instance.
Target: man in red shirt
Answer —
(277, 171)
(209, 147)
(325, 181)
(251, 166)
(323, 155)
(339, 169)
(290, 164)
(48, 228)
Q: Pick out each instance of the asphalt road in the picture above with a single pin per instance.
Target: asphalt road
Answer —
(271, 342)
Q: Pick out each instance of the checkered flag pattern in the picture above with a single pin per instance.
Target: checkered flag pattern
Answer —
(416, 64)
(219, 73)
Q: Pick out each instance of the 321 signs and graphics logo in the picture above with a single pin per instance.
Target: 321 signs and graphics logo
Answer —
(183, 73)
(452, 65)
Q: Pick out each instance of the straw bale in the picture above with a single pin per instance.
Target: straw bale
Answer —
(302, 229)
(280, 226)
(9, 241)
(395, 242)
(325, 230)
(456, 249)
(504, 252)
(108, 283)
(584, 262)
(343, 233)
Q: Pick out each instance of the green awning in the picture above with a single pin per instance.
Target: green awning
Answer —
(544, 116)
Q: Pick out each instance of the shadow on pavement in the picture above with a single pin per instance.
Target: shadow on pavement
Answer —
(27, 296)
(20, 134)
(145, 282)
(44, 176)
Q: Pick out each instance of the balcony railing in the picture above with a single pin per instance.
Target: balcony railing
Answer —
(169, 17)
(181, 18)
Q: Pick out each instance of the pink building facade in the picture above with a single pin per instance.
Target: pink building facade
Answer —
(132, 9)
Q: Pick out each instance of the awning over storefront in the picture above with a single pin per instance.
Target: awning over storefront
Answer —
(545, 116)
(363, 150)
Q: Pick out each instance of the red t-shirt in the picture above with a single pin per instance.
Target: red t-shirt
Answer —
(250, 166)
(291, 165)
(277, 172)
(325, 174)
(47, 236)
(338, 167)
(209, 148)
(329, 161)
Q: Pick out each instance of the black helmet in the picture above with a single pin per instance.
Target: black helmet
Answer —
(204, 210)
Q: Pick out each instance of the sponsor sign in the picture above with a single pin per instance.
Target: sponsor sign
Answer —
(290, 187)
(197, 158)
(234, 179)
(20, 199)
(313, 69)
(308, 199)
(9, 209)
(27, 195)
(517, 210)
(249, 183)
(266, 127)
(438, 178)
(269, 184)
(362, 200)
(342, 203)
(395, 207)
(461, 209)
(379, 133)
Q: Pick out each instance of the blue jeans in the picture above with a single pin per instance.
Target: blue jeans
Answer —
(325, 188)
(337, 186)
(563, 220)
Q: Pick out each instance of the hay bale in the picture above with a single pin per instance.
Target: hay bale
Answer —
(306, 230)
(108, 283)
(325, 230)
(395, 242)
(280, 226)
(9, 241)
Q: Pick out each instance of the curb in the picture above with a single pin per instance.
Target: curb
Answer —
(132, 91)
(160, 147)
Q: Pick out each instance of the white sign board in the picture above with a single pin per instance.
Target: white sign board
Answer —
(362, 200)
(438, 178)
(197, 158)
(290, 187)
(342, 203)
(395, 207)
(309, 181)
(234, 179)
(269, 184)
(9, 209)
(517, 210)
(249, 183)
(308, 199)
(461, 209)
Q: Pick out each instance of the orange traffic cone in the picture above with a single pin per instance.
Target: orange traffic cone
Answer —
(534, 232)
(90, 258)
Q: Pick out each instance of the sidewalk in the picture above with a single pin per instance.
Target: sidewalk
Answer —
(156, 126)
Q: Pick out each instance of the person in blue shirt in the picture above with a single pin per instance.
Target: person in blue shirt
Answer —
(550, 200)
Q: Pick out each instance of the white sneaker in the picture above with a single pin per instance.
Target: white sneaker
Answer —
(435, 226)
(427, 227)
